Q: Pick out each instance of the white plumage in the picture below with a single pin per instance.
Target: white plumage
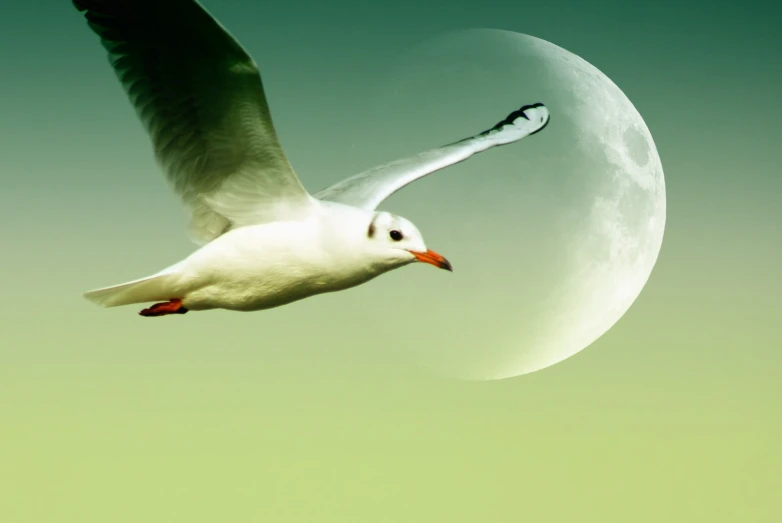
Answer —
(265, 240)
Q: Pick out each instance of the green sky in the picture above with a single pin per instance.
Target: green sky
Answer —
(302, 414)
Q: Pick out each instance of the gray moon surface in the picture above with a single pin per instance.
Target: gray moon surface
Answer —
(552, 238)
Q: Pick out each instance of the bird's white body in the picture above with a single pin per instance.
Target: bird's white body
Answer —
(267, 265)
(265, 240)
(262, 266)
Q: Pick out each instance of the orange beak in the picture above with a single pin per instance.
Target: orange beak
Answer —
(433, 258)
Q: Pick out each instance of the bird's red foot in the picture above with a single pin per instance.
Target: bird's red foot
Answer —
(173, 306)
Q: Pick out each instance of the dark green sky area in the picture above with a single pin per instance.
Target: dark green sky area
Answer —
(671, 416)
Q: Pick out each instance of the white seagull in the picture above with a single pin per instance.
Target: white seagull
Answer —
(265, 241)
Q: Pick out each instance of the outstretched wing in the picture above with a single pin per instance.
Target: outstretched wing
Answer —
(369, 188)
(200, 98)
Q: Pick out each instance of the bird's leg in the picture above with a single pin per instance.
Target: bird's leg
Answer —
(173, 306)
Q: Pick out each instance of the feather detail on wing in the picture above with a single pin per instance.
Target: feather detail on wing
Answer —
(200, 98)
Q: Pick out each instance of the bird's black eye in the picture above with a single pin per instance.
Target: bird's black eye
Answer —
(395, 235)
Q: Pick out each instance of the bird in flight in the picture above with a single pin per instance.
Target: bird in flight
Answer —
(265, 241)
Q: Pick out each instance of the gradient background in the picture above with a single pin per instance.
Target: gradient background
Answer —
(673, 415)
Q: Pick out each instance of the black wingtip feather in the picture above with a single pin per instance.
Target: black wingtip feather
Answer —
(519, 113)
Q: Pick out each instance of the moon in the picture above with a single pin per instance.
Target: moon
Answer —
(556, 236)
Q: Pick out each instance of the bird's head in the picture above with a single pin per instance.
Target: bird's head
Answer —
(396, 241)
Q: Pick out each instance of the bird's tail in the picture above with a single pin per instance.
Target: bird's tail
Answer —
(157, 287)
